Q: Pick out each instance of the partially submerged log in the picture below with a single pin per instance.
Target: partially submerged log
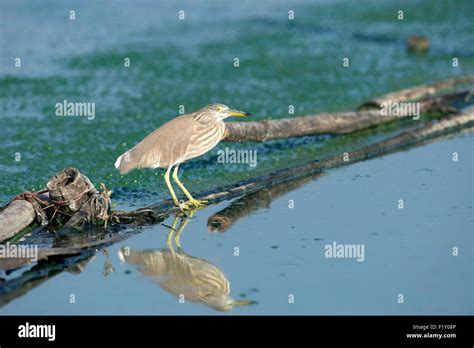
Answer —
(418, 92)
(351, 121)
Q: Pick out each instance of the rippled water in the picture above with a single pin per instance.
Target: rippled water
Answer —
(190, 63)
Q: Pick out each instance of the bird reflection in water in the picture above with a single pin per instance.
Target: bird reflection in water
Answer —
(184, 276)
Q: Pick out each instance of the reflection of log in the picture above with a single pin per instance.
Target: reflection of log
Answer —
(7, 264)
(17, 287)
(11, 292)
(248, 204)
(343, 122)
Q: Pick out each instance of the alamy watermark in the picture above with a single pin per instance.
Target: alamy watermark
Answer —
(80, 109)
(245, 156)
(28, 330)
(403, 109)
(19, 251)
(345, 251)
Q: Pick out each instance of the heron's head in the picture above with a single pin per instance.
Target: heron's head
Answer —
(222, 111)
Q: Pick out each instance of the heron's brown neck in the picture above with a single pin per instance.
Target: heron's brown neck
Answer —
(207, 117)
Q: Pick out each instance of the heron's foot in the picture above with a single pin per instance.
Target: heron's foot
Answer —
(197, 203)
(183, 206)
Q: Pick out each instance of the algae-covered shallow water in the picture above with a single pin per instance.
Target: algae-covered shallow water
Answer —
(281, 251)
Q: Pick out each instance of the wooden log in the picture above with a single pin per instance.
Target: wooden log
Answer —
(18, 215)
(335, 123)
(417, 92)
(70, 188)
(69, 194)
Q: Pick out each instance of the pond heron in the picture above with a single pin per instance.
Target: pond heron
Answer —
(184, 137)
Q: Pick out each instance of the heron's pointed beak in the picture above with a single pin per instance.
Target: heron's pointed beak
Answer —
(239, 113)
(243, 303)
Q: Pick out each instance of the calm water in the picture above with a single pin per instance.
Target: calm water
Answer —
(407, 251)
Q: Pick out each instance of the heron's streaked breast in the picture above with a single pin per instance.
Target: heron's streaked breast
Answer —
(204, 138)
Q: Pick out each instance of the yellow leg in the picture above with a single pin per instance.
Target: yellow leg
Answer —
(181, 207)
(196, 202)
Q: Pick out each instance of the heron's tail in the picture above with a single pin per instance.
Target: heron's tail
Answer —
(124, 163)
